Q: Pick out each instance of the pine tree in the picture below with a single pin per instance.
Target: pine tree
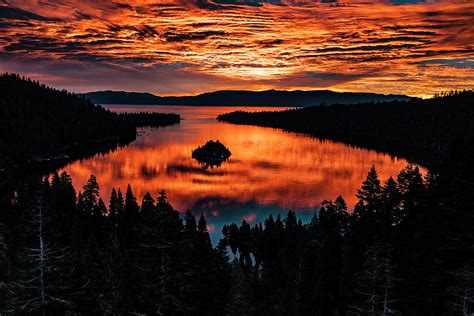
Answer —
(222, 254)
(410, 185)
(376, 283)
(93, 209)
(391, 204)
(79, 227)
(120, 221)
(369, 194)
(241, 300)
(308, 275)
(148, 206)
(64, 203)
(119, 286)
(462, 292)
(90, 194)
(160, 244)
(129, 220)
(190, 225)
(42, 272)
(110, 297)
(332, 228)
(88, 278)
(368, 223)
(205, 271)
(115, 210)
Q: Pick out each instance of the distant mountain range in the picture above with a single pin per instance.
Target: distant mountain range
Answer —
(244, 98)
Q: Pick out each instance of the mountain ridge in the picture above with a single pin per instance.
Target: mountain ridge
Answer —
(300, 98)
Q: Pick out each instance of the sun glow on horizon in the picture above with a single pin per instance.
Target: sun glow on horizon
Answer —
(174, 47)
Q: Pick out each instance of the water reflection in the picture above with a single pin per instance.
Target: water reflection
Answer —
(269, 171)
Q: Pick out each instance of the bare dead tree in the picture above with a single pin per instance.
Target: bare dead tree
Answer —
(39, 282)
(376, 283)
(462, 293)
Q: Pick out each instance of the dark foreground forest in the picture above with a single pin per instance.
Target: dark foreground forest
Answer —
(421, 130)
(39, 123)
(406, 249)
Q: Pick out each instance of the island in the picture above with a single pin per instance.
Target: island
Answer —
(213, 153)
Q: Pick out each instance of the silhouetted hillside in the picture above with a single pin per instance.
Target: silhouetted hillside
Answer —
(244, 98)
(419, 129)
(41, 123)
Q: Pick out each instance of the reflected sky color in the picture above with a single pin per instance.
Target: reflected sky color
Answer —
(270, 170)
(182, 47)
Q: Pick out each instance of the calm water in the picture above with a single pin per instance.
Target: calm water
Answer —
(270, 171)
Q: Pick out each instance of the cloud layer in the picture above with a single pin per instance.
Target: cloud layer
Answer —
(190, 46)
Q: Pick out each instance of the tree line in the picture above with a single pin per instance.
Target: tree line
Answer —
(150, 119)
(38, 121)
(421, 130)
(64, 252)
(405, 249)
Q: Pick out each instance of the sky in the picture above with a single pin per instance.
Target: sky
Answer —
(185, 47)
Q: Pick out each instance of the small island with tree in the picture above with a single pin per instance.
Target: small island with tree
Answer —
(213, 153)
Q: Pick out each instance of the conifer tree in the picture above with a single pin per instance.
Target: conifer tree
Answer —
(367, 224)
(130, 220)
(160, 241)
(241, 295)
(376, 283)
(79, 229)
(391, 200)
(205, 272)
(90, 195)
(88, 278)
(40, 284)
(410, 185)
(369, 194)
(113, 219)
(462, 292)
(332, 226)
(93, 208)
(64, 202)
(147, 207)
(190, 225)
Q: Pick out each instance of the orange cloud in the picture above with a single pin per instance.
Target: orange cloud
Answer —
(418, 48)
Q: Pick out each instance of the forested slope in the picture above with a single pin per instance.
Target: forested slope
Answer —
(405, 249)
(417, 129)
(36, 120)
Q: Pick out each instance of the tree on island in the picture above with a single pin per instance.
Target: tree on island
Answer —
(213, 153)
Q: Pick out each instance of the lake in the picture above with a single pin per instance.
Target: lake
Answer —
(270, 171)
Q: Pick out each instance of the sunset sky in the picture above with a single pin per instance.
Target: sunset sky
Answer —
(182, 47)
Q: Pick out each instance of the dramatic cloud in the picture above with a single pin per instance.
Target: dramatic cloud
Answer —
(190, 46)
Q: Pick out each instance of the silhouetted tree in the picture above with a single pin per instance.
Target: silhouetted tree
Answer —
(376, 283)
(129, 220)
(462, 292)
(36, 287)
